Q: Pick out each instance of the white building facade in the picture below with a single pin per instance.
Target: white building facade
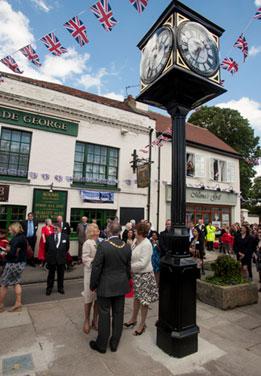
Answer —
(212, 177)
(67, 152)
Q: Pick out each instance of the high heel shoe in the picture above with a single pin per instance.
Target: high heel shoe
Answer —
(140, 332)
(15, 309)
(130, 325)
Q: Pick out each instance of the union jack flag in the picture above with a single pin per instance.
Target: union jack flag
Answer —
(242, 44)
(102, 10)
(258, 14)
(230, 65)
(53, 44)
(76, 27)
(31, 54)
(140, 5)
(11, 64)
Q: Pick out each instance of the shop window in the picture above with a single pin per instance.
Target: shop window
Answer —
(10, 214)
(199, 166)
(96, 164)
(190, 164)
(218, 170)
(231, 172)
(14, 152)
(99, 215)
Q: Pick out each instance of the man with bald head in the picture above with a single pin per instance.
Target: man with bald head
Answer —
(110, 277)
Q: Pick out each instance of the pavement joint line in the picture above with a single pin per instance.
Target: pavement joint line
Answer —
(250, 347)
(256, 327)
(35, 283)
(51, 301)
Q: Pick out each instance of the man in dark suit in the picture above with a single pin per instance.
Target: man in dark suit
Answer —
(163, 243)
(110, 278)
(200, 227)
(64, 225)
(30, 227)
(57, 246)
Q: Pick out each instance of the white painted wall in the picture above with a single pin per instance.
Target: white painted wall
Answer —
(53, 153)
(191, 181)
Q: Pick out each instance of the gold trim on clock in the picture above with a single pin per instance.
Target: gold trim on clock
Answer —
(142, 86)
(169, 63)
(216, 78)
(169, 22)
(180, 19)
(181, 62)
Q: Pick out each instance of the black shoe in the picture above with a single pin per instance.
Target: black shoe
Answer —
(113, 347)
(61, 291)
(130, 325)
(48, 291)
(94, 346)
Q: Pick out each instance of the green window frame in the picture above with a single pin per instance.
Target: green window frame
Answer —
(100, 215)
(10, 214)
(95, 165)
(15, 147)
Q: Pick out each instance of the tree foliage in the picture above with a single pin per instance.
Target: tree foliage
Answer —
(254, 204)
(236, 131)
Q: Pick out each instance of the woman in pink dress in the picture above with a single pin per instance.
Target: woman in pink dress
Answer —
(47, 230)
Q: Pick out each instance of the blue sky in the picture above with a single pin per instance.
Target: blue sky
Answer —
(110, 62)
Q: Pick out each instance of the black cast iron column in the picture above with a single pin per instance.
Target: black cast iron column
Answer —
(177, 332)
(178, 184)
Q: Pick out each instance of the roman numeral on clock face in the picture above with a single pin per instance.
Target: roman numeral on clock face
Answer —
(198, 48)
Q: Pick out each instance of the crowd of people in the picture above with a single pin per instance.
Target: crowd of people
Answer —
(116, 264)
(242, 242)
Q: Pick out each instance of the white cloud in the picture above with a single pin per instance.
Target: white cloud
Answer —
(254, 50)
(65, 66)
(16, 32)
(42, 5)
(113, 95)
(93, 81)
(248, 108)
(258, 3)
(70, 66)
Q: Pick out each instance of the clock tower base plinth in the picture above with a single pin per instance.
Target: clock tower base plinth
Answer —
(177, 332)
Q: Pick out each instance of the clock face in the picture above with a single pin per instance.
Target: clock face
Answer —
(198, 48)
(156, 54)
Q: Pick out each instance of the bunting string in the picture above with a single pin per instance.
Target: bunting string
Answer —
(101, 9)
(228, 63)
(103, 12)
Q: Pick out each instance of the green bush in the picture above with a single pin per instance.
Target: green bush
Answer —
(226, 272)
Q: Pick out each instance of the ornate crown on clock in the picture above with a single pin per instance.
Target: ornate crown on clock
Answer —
(180, 59)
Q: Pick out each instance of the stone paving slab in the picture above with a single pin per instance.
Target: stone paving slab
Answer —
(38, 275)
(50, 334)
(12, 319)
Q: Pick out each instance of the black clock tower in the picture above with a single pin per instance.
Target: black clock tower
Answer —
(179, 71)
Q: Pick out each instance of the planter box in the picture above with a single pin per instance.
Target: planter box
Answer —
(227, 297)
